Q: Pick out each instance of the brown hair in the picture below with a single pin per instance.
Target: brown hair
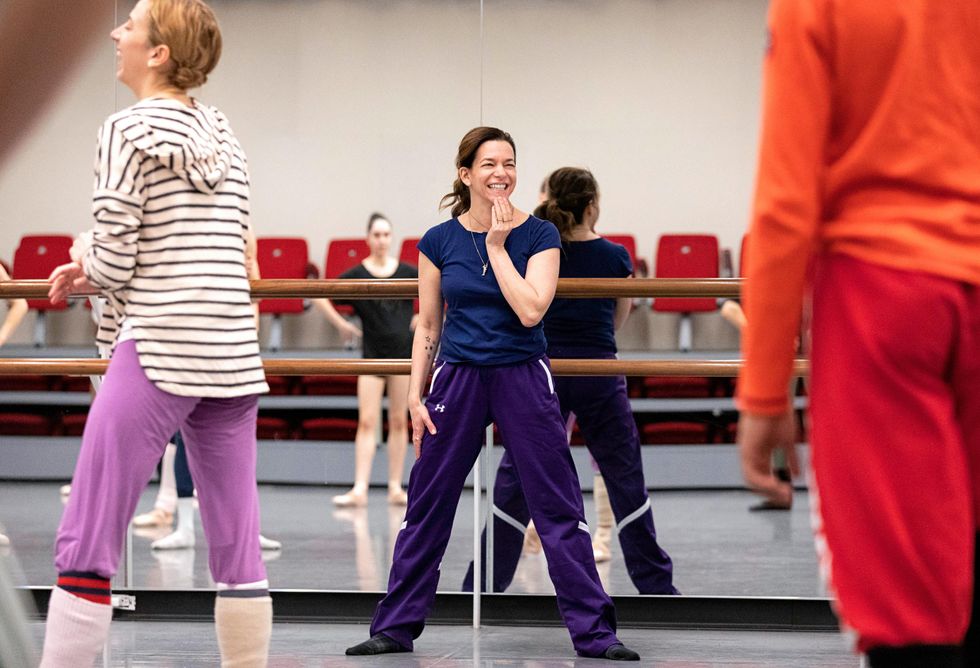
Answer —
(459, 198)
(190, 29)
(375, 217)
(570, 190)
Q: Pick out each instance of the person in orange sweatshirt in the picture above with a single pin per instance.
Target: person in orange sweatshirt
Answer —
(868, 198)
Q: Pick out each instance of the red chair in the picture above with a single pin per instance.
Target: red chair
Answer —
(686, 256)
(409, 254)
(24, 424)
(628, 241)
(282, 257)
(73, 424)
(35, 258)
(675, 433)
(329, 429)
(343, 386)
(343, 254)
(272, 428)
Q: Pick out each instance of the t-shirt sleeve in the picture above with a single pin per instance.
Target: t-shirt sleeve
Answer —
(350, 273)
(622, 264)
(430, 245)
(544, 236)
(797, 102)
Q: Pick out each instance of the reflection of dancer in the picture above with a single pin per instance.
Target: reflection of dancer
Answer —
(781, 497)
(496, 268)
(170, 206)
(387, 327)
(16, 310)
(585, 329)
(868, 173)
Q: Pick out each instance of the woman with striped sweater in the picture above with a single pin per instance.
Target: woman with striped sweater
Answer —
(168, 252)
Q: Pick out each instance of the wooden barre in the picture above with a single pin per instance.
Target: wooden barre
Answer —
(383, 367)
(391, 288)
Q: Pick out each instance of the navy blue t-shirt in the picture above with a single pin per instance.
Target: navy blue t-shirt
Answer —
(587, 323)
(481, 328)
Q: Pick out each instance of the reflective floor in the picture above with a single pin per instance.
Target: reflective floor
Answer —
(192, 644)
(718, 547)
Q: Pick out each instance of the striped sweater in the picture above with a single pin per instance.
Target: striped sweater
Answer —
(171, 209)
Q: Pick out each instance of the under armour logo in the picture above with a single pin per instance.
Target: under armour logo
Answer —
(440, 408)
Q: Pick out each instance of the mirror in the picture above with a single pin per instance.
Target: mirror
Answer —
(660, 100)
(350, 107)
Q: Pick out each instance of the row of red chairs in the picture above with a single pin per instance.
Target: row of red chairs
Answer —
(638, 386)
(678, 256)
(671, 432)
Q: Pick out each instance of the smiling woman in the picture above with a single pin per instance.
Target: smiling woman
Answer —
(171, 209)
(496, 268)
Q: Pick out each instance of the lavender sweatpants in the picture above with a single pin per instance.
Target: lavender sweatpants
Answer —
(128, 427)
(521, 400)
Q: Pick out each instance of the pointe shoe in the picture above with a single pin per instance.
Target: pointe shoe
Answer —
(64, 490)
(351, 499)
(397, 497)
(4, 541)
(269, 544)
(601, 549)
(157, 517)
(532, 541)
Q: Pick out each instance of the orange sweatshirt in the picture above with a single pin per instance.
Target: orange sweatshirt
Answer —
(870, 146)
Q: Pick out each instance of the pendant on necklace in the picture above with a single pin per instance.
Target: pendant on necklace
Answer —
(484, 269)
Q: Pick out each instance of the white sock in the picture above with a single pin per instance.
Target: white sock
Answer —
(183, 535)
(167, 495)
(75, 631)
(244, 626)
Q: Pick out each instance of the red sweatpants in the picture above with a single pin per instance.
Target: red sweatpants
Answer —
(895, 409)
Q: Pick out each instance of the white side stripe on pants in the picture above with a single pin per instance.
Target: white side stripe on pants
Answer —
(434, 374)
(509, 520)
(639, 512)
(547, 372)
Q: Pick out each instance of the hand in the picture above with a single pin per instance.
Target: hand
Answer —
(353, 331)
(758, 437)
(501, 222)
(420, 422)
(65, 280)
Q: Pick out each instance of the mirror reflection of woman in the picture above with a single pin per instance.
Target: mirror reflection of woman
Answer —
(387, 334)
(496, 268)
(585, 329)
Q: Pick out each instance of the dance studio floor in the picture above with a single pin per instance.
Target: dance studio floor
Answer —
(718, 548)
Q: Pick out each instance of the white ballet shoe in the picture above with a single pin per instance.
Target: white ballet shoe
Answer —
(157, 517)
(269, 544)
(178, 540)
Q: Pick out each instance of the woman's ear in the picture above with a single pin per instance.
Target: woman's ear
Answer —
(464, 176)
(159, 56)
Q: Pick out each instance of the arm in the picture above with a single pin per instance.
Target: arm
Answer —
(428, 331)
(16, 310)
(252, 267)
(323, 305)
(624, 306)
(109, 254)
(787, 209)
(529, 295)
(732, 312)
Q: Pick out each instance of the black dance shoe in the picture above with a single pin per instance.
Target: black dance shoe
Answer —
(379, 643)
(619, 652)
